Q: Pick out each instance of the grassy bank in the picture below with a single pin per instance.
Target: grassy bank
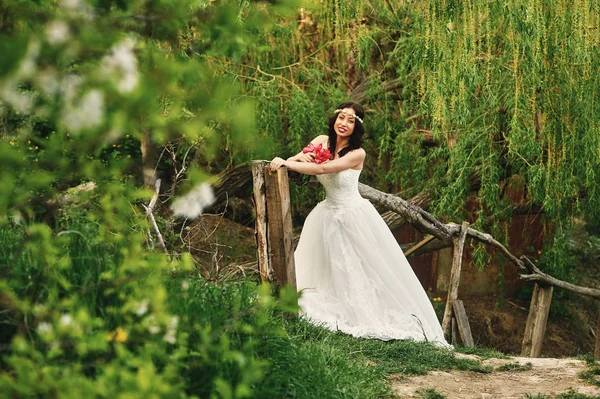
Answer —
(83, 318)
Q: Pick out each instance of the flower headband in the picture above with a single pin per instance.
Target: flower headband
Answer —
(337, 111)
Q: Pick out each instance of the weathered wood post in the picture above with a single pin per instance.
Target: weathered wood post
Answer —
(449, 314)
(461, 321)
(273, 225)
(260, 207)
(537, 320)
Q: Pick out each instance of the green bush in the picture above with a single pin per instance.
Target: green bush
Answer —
(90, 319)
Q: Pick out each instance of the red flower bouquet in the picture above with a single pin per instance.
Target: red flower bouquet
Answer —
(321, 154)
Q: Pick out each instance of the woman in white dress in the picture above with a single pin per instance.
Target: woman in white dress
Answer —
(351, 272)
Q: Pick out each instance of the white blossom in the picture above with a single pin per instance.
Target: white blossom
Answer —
(170, 337)
(20, 101)
(142, 308)
(71, 5)
(44, 327)
(171, 329)
(122, 64)
(92, 105)
(9, 89)
(57, 32)
(185, 285)
(70, 86)
(48, 82)
(193, 203)
(154, 329)
(88, 113)
(66, 320)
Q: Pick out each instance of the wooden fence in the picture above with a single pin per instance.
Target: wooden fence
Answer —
(276, 262)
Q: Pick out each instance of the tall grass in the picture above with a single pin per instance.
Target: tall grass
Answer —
(233, 339)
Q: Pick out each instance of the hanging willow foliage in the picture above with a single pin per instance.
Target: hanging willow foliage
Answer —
(502, 90)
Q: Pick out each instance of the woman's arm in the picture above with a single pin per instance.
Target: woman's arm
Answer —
(351, 160)
(309, 157)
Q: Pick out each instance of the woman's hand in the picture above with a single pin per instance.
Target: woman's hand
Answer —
(277, 163)
(302, 157)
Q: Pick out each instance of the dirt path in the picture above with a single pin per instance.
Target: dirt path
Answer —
(547, 376)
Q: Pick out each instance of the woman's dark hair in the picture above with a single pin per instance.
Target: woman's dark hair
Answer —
(356, 140)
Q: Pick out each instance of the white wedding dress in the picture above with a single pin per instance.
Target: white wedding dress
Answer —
(352, 274)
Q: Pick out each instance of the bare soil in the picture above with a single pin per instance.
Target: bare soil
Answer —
(500, 325)
(547, 376)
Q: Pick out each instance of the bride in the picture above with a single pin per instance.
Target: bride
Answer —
(351, 271)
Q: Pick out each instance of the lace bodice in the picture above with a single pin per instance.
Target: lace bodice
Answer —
(341, 188)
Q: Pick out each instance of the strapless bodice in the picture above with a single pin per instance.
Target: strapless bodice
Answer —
(341, 188)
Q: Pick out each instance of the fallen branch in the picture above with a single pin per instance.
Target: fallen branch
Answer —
(420, 219)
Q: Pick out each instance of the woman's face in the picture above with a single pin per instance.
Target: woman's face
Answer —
(344, 124)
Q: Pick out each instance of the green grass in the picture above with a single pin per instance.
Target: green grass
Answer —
(303, 360)
(484, 353)
(515, 367)
(299, 360)
(591, 375)
(224, 332)
(566, 395)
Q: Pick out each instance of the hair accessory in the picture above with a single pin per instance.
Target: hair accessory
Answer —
(337, 111)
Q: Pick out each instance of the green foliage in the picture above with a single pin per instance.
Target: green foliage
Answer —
(502, 93)
(116, 323)
(110, 320)
(88, 309)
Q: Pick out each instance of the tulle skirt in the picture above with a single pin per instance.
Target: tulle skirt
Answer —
(354, 277)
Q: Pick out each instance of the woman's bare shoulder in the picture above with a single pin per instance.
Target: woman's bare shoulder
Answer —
(359, 152)
(321, 139)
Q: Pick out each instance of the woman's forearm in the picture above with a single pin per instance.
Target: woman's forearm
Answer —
(308, 168)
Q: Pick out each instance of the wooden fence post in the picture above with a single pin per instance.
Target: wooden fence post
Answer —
(260, 206)
(455, 334)
(459, 244)
(537, 321)
(274, 240)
